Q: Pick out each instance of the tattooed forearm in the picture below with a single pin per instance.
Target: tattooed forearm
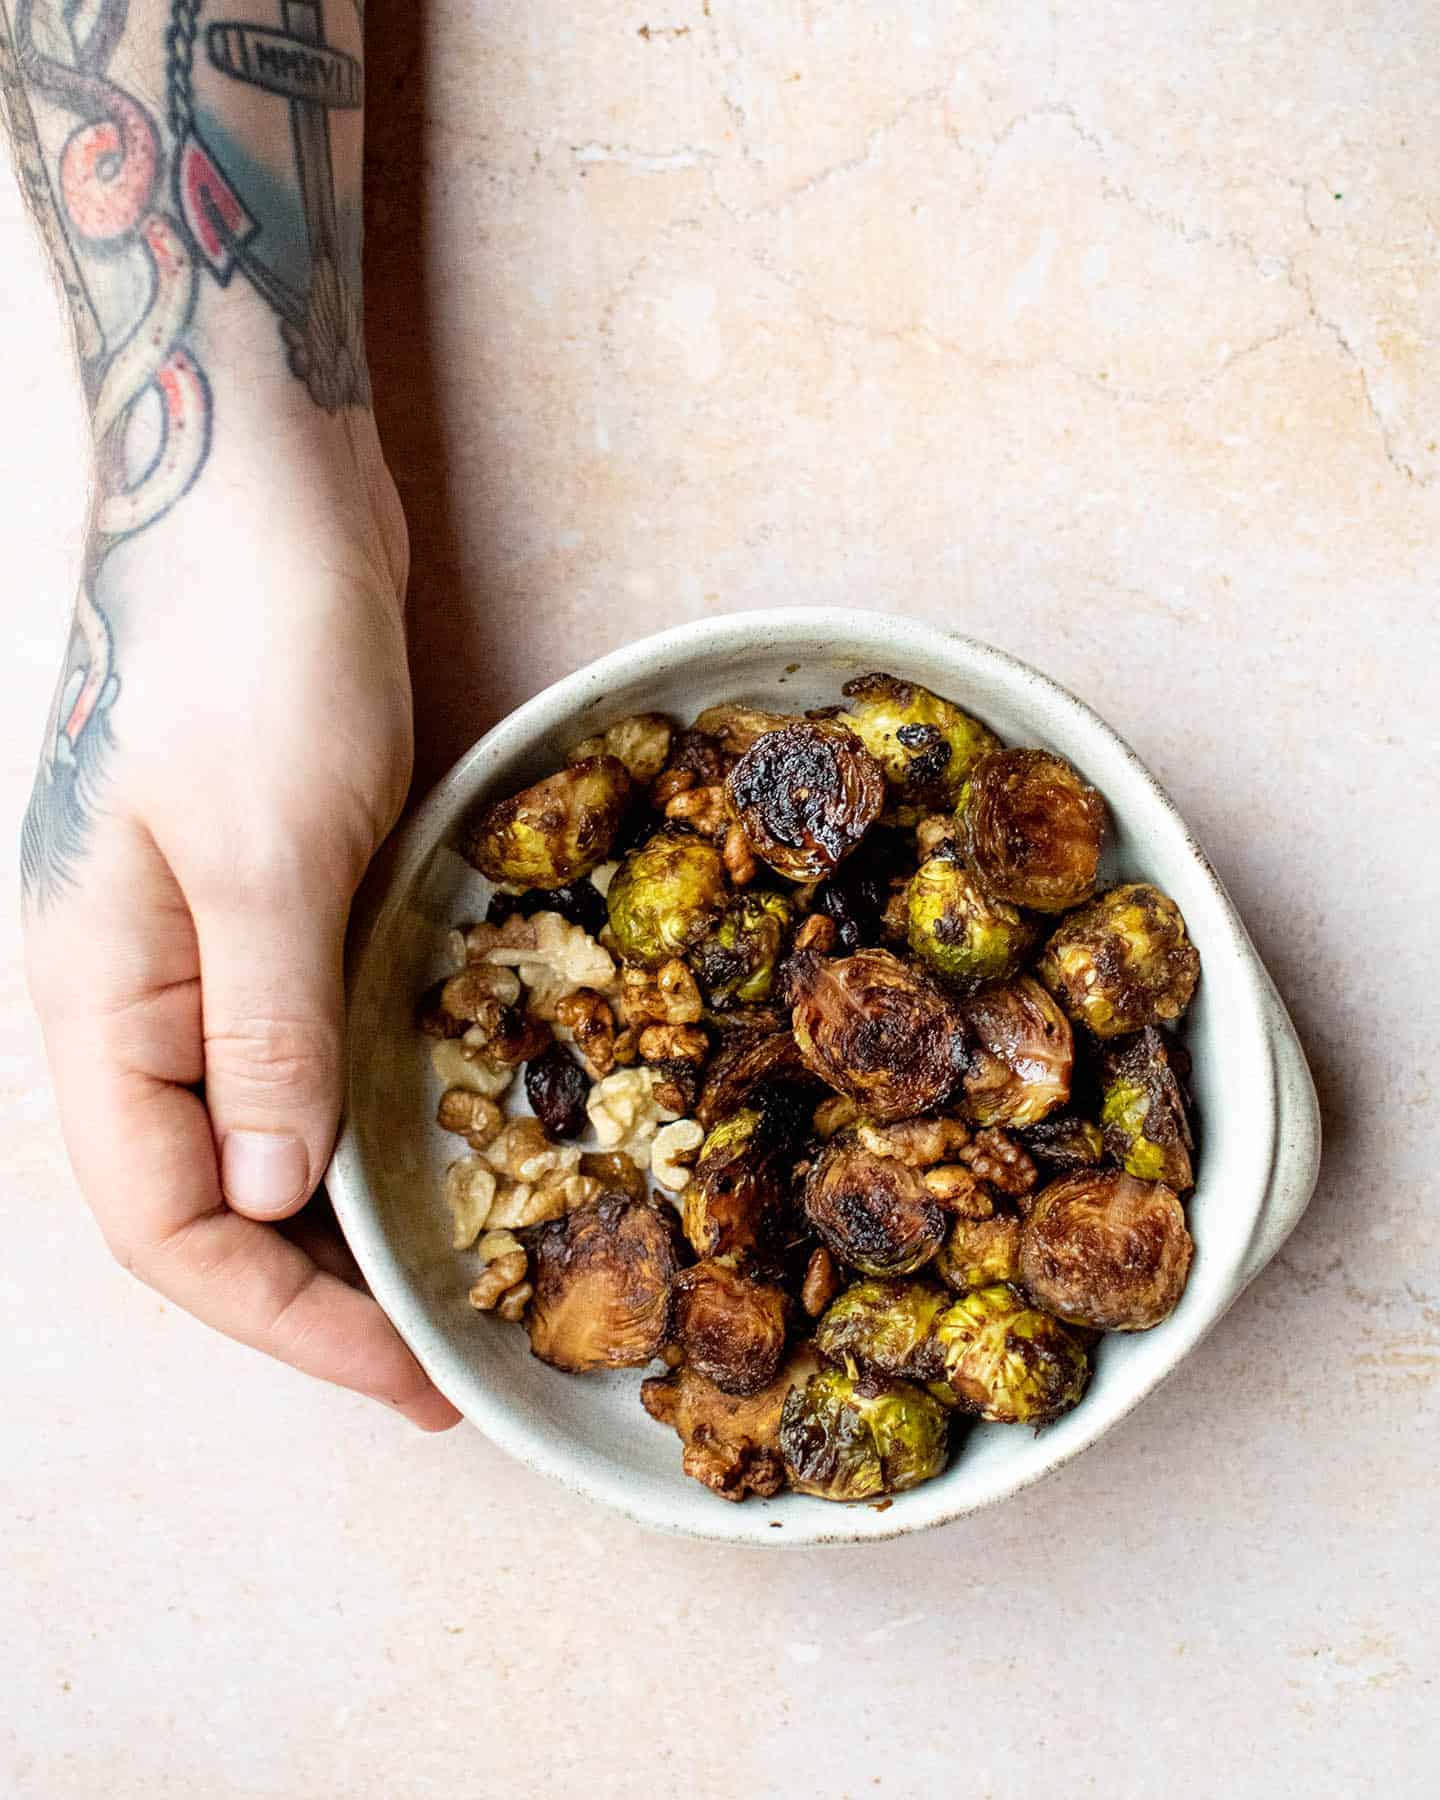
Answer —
(143, 210)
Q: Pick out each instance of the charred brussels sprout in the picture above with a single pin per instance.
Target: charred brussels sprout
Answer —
(980, 1252)
(855, 1438)
(887, 1327)
(736, 964)
(806, 796)
(1022, 1055)
(732, 1442)
(602, 1279)
(959, 933)
(1123, 962)
(1006, 1362)
(666, 896)
(1032, 829)
(877, 1029)
(1143, 1111)
(925, 745)
(1065, 1141)
(1105, 1250)
(873, 1212)
(555, 832)
(737, 1189)
(730, 1325)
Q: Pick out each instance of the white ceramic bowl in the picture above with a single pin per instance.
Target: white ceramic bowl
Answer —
(1255, 1101)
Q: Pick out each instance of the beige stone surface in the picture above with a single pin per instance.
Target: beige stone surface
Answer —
(1111, 335)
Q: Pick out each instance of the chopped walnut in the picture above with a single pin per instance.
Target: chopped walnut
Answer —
(476, 993)
(523, 1152)
(958, 1191)
(559, 1191)
(616, 1173)
(469, 1115)
(996, 1157)
(498, 1279)
(642, 743)
(670, 783)
(584, 1019)
(673, 1043)
(821, 1283)
(703, 809)
(817, 934)
(626, 1114)
(495, 1244)
(469, 1194)
(737, 856)
(512, 1308)
(668, 995)
(918, 1143)
(458, 1065)
(552, 957)
(601, 877)
(674, 1151)
(834, 1113)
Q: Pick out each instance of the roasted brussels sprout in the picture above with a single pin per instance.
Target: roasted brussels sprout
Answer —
(849, 1437)
(1102, 1249)
(1022, 1055)
(873, 1212)
(732, 1443)
(925, 745)
(737, 962)
(1006, 1362)
(555, 832)
(730, 1324)
(1032, 829)
(806, 796)
(1123, 962)
(766, 1067)
(887, 1328)
(666, 896)
(959, 933)
(980, 1252)
(735, 726)
(1064, 1141)
(602, 1278)
(737, 1190)
(879, 1030)
(1143, 1110)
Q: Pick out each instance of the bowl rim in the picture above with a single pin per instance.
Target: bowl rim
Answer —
(1290, 1112)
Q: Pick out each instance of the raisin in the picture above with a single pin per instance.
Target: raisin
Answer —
(581, 903)
(557, 1087)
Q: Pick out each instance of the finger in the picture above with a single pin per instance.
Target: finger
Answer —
(273, 1003)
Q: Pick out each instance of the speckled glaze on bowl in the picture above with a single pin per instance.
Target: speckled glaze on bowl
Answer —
(1254, 1097)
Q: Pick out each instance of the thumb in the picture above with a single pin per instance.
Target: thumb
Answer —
(272, 998)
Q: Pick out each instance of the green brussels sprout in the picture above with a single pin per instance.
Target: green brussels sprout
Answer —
(738, 1186)
(805, 796)
(873, 1212)
(555, 832)
(1022, 1055)
(980, 1252)
(925, 745)
(849, 1437)
(736, 964)
(1006, 1362)
(1102, 1249)
(1064, 1141)
(877, 1029)
(1032, 829)
(1143, 1110)
(1123, 962)
(887, 1327)
(666, 896)
(959, 933)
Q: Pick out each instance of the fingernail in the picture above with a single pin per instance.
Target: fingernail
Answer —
(263, 1173)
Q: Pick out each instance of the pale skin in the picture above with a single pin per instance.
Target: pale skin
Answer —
(232, 736)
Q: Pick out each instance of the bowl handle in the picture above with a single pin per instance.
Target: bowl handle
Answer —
(1295, 1166)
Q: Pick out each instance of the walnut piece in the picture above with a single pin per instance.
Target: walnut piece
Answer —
(673, 1043)
(469, 1115)
(821, 1284)
(584, 1019)
(626, 1114)
(674, 1150)
(555, 1193)
(835, 1113)
(552, 957)
(737, 856)
(459, 1066)
(818, 933)
(498, 1279)
(918, 1143)
(668, 995)
(958, 1191)
(469, 1194)
(524, 1153)
(703, 809)
(996, 1157)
